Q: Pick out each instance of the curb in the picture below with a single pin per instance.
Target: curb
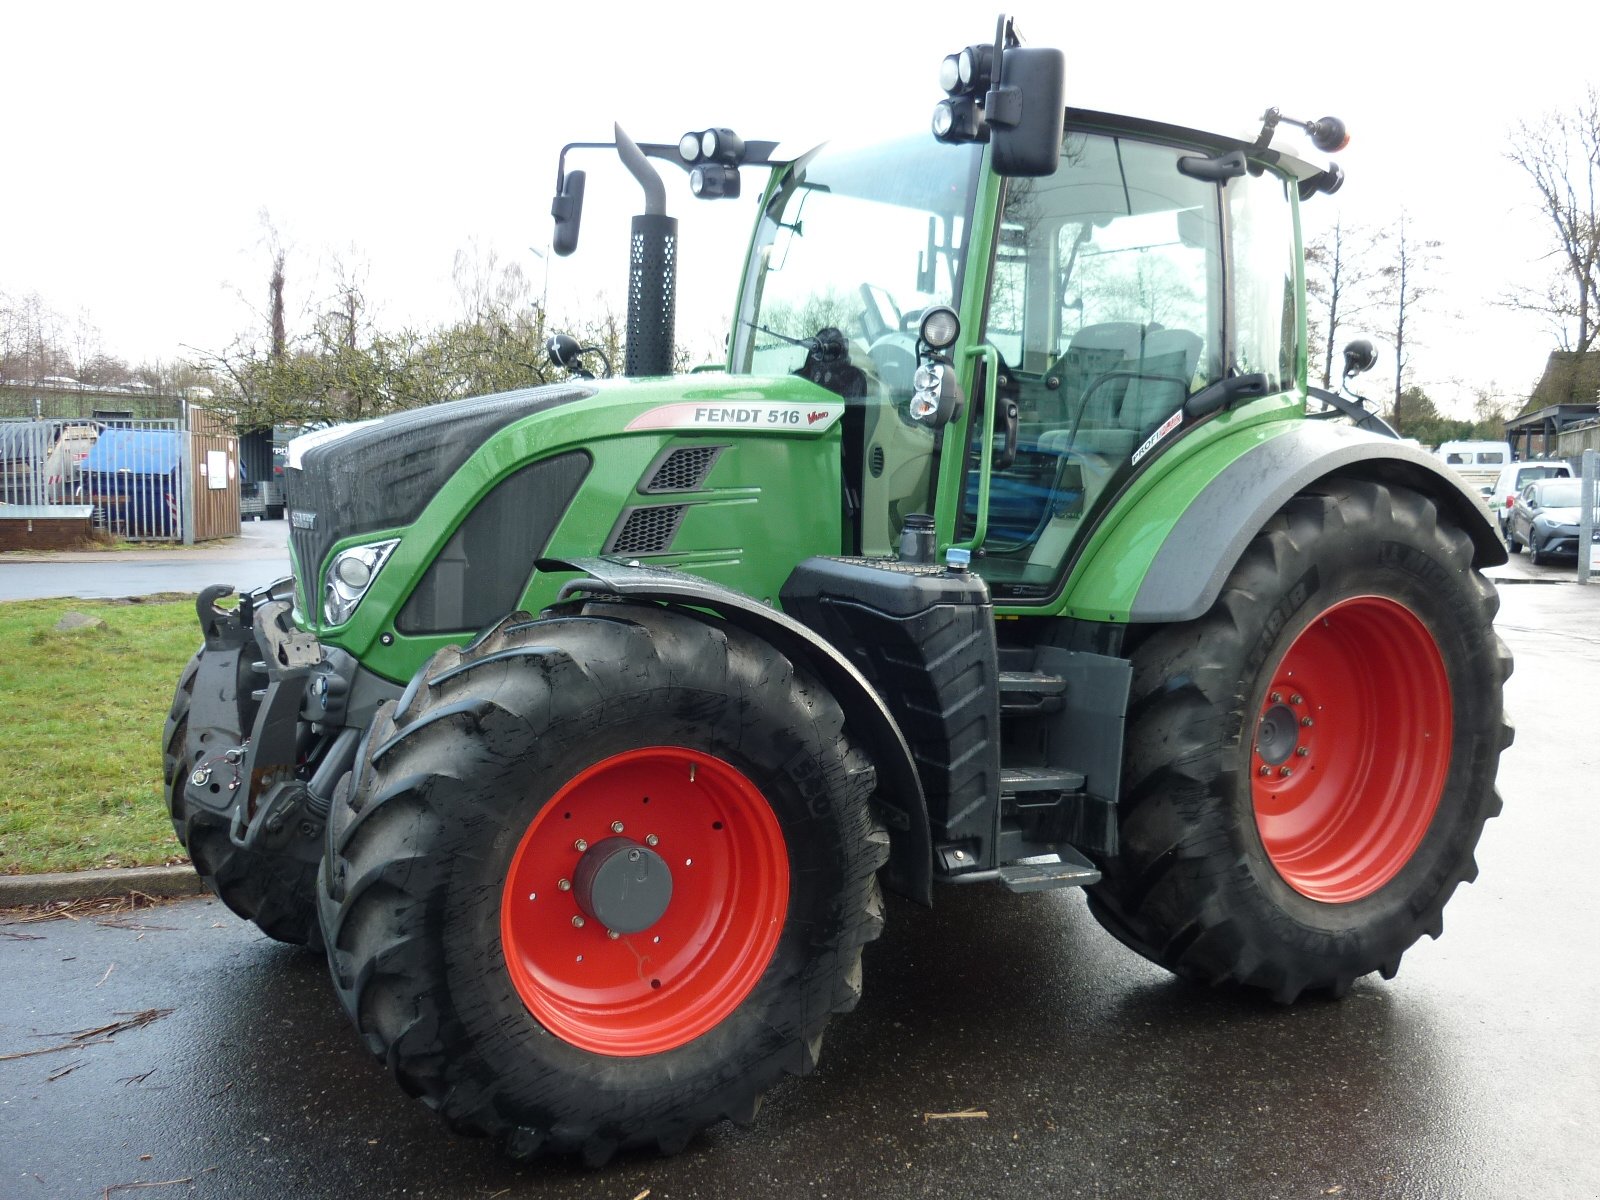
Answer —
(17, 890)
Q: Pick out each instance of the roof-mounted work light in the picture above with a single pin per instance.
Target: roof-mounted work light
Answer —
(713, 182)
(713, 157)
(721, 146)
(965, 75)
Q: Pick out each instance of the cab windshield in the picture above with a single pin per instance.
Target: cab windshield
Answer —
(853, 246)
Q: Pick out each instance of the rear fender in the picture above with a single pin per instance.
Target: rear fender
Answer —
(1205, 539)
(899, 795)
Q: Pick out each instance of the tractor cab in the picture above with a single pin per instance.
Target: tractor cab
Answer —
(1116, 303)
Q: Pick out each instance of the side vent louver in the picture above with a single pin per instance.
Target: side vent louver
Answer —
(646, 530)
(683, 469)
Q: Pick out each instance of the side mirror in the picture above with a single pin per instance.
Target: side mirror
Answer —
(565, 352)
(1026, 110)
(1359, 356)
(567, 209)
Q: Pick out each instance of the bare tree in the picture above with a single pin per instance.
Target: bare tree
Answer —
(1341, 268)
(1405, 286)
(1560, 154)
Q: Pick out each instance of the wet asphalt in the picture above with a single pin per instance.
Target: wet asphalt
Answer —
(1475, 1073)
(257, 557)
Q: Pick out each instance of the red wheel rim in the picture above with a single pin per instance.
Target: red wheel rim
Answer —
(1351, 750)
(650, 991)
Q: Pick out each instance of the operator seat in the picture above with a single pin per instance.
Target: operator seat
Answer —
(1118, 381)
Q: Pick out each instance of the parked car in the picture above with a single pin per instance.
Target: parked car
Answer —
(1545, 520)
(1516, 477)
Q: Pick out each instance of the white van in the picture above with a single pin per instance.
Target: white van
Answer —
(1479, 463)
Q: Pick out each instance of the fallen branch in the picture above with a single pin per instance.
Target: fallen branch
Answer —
(93, 1037)
(966, 1114)
(128, 1187)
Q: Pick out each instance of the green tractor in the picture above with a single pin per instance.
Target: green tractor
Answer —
(1007, 548)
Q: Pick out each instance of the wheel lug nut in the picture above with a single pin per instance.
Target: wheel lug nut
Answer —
(1301, 751)
(1277, 697)
(1306, 721)
(616, 827)
(1296, 698)
(613, 934)
(580, 845)
(651, 839)
(577, 921)
(564, 885)
(1285, 772)
(1266, 770)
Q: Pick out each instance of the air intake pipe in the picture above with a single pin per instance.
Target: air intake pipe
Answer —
(652, 270)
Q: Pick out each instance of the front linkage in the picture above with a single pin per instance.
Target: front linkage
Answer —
(265, 724)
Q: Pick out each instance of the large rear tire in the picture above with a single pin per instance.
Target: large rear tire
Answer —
(468, 924)
(1309, 766)
(277, 893)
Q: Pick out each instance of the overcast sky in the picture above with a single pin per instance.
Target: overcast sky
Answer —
(144, 141)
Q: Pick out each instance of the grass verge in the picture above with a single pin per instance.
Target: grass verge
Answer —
(80, 737)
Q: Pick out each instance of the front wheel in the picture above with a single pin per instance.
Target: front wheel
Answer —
(601, 879)
(1310, 764)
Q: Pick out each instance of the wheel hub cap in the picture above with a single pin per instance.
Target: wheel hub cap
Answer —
(1277, 734)
(623, 885)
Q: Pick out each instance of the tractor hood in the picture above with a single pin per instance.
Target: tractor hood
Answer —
(380, 474)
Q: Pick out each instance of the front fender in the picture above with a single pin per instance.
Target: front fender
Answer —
(910, 869)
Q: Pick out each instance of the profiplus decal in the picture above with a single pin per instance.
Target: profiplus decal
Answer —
(1167, 427)
(748, 414)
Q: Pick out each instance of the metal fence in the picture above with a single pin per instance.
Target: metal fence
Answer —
(130, 470)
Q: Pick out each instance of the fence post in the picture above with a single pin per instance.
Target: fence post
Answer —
(186, 482)
(1586, 492)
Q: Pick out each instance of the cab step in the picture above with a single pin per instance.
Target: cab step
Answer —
(1071, 870)
(1015, 781)
(1024, 693)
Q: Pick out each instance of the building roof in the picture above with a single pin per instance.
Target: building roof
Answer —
(1569, 378)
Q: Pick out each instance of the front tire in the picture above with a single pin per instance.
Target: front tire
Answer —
(471, 944)
(1309, 765)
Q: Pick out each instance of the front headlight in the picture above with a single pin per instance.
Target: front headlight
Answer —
(350, 575)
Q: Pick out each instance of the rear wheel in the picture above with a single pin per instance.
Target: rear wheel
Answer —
(1310, 764)
(278, 893)
(1512, 545)
(601, 880)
